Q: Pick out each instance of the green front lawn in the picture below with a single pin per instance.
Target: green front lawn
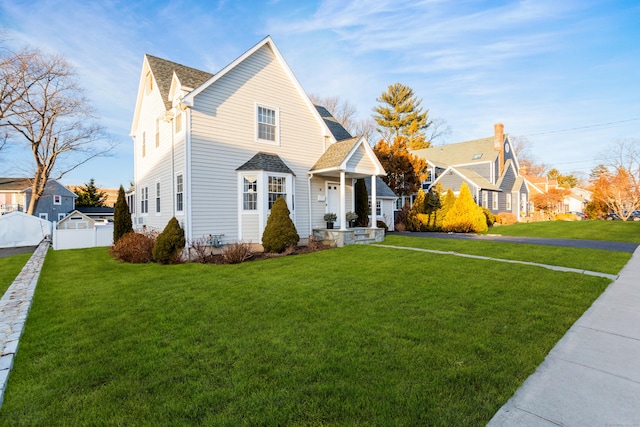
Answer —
(361, 335)
(599, 260)
(10, 267)
(615, 231)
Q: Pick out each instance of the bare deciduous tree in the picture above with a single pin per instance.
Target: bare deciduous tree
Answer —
(522, 148)
(42, 106)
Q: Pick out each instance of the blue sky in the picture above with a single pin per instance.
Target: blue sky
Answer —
(566, 74)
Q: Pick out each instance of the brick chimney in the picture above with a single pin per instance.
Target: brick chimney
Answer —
(498, 145)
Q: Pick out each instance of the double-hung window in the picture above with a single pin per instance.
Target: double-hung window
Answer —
(157, 197)
(267, 124)
(57, 200)
(485, 199)
(508, 201)
(494, 201)
(277, 187)
(144, 200)
(179, 193)
(249, 192)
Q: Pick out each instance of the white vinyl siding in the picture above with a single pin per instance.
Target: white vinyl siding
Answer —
(224, 141)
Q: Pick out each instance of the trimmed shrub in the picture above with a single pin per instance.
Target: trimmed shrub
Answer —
(134, 248)
(465, 215)
(280, 232)
(506, 218)
(121, 217)
(446, 205)
(169, 244)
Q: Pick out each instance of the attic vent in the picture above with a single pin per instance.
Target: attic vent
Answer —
(477, 156)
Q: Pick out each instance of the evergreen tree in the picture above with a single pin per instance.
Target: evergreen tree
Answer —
(416, 214)
(445, 207)
(121, 217)
(432, 205)
(280, 231)
(90, 196)
(400, 114)
(465, 216)
(362, 203)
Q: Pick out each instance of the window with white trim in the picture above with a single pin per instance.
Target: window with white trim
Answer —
(57, 199)
(378, 207)
(249, 192)
(508, 201)
(157, 197)
(485, 199)
(179, 193)
(144, 200)
(61, 216)
(267, 119)
(277, 187)
(44, 216)
(494, 201)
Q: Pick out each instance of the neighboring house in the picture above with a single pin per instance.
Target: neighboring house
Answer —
(576, 200)
(76, 220)
(101, 214)
(110, 200)
(216, 151)
(54, 204)
(489, 167)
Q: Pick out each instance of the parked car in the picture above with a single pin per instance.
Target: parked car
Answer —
(635, 216)
(612, 217)
(580, 215)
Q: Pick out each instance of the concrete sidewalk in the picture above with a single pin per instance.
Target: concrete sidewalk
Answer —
(592, 376)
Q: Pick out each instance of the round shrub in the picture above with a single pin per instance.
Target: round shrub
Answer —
(134, 248)
(280, 232)
(169, 244)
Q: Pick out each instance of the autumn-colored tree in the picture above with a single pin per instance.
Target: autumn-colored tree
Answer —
(405, 171)
(617, 192)
(465, 216)
(551, 202)
(400, 114)
(446, 204)
(564, 181)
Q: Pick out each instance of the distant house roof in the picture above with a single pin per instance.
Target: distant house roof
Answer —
(92, 210)
(54, 187)
(163, 70)
(266, 162)
(14, 184)
(382, 189)
(461, 153)
(338, 131)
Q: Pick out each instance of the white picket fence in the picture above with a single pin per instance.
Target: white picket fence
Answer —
(100, 235)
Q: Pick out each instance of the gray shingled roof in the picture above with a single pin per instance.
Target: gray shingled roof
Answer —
(266, 162)
(382, 189)
(335, 154)
(14, 184)
(163, 70)
(338, 131)
(460, 153)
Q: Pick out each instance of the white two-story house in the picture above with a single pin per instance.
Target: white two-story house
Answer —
(217, 150)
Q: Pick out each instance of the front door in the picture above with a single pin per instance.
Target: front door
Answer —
(333, 200)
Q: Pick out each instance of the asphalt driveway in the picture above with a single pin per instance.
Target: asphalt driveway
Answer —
(6, 252)
(573, 243)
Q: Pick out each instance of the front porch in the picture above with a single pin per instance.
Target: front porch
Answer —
(349, 236)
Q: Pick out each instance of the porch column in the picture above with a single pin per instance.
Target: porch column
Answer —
(343, 196)
(374, 217)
